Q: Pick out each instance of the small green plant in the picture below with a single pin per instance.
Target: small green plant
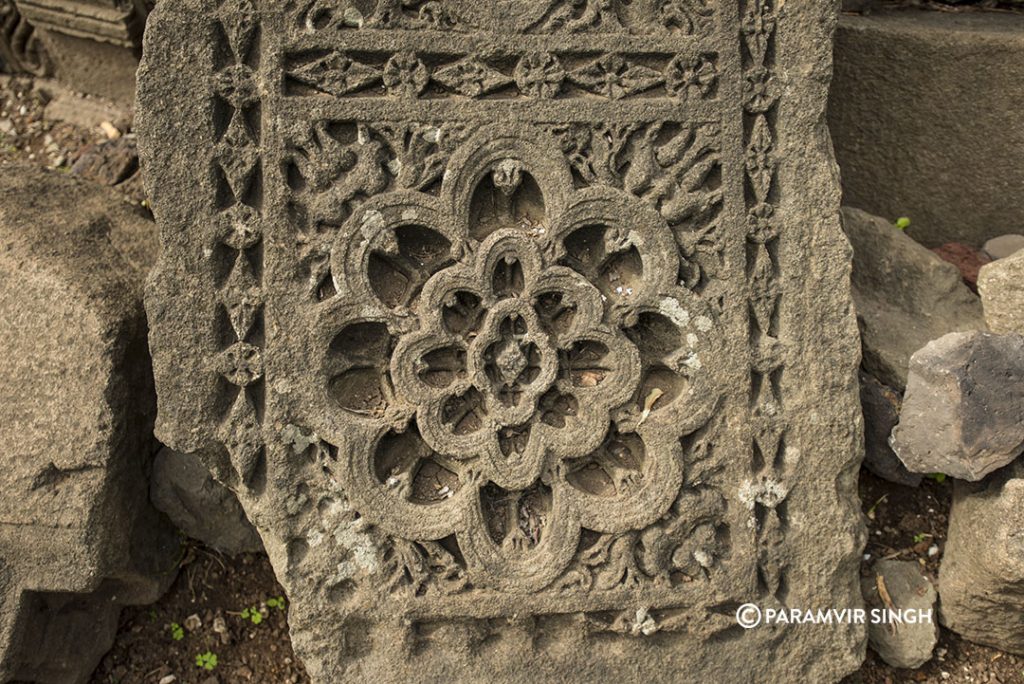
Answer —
(920, 537)
(903, 223)
(276, 602)
(207, 661)
(938, 477)
(177, 631)
(253, 615)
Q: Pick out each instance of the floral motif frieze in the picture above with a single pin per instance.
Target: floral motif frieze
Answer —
(685, 77)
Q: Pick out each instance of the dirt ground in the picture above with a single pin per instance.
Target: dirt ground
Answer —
(206, 629)
(230, 608)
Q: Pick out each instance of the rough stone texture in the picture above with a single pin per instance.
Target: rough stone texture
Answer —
(963, 412)
(1004, 246)
(199, 506)
(1001, 285)
(924, 124)
(521, 329)
(906, 296)
(78, 538)
(881, 406)
(93, 44)
(109, 162)
(967, 260)
(908, 644)
(981, 579)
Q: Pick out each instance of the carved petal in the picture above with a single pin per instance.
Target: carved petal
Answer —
(500, 566)
(641, 497)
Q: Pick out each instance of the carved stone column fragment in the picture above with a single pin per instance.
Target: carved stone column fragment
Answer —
(94, 45)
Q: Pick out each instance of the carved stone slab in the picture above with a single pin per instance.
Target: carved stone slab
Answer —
(521, 328)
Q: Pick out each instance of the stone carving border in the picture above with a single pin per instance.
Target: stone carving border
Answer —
(238, 229)
(763, 242)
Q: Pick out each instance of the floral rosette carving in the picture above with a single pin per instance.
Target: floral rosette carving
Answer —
(511, 362)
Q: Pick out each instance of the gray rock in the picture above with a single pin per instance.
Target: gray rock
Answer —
(906, 296)
(199, 506)
(963, 412)
(1004, 246)
(93, 45)
(881, 406)
(454, 316)
(78, 537)
(1001, 285)
(981, 579)
(908, 643)
(904, 82)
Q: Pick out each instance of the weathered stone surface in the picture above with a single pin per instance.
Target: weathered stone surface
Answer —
(199, 506)
(521, 329)
(109, 163)
(906, 296)
(78, 538)
(907, 644)
(924, 124)
(981, 579)
(21, 51)
(963, 412)
(1004, 246)
(93, 45)
(109, 21)
(881, 406)
(1001, 285)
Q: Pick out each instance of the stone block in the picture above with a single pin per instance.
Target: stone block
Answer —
(925, 124)
(93, 45)
(78, 538)
(522, 330)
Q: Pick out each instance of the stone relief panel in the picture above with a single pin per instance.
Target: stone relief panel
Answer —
(488, 323)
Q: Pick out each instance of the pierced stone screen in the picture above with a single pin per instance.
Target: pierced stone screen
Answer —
(521, 328)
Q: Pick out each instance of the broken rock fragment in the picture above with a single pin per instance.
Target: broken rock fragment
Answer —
(899, 591)
(881, 406)
(963, 412)
(78, 536)
(981, 579)
(905, 294)
(1001, 285)
(204, 509)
